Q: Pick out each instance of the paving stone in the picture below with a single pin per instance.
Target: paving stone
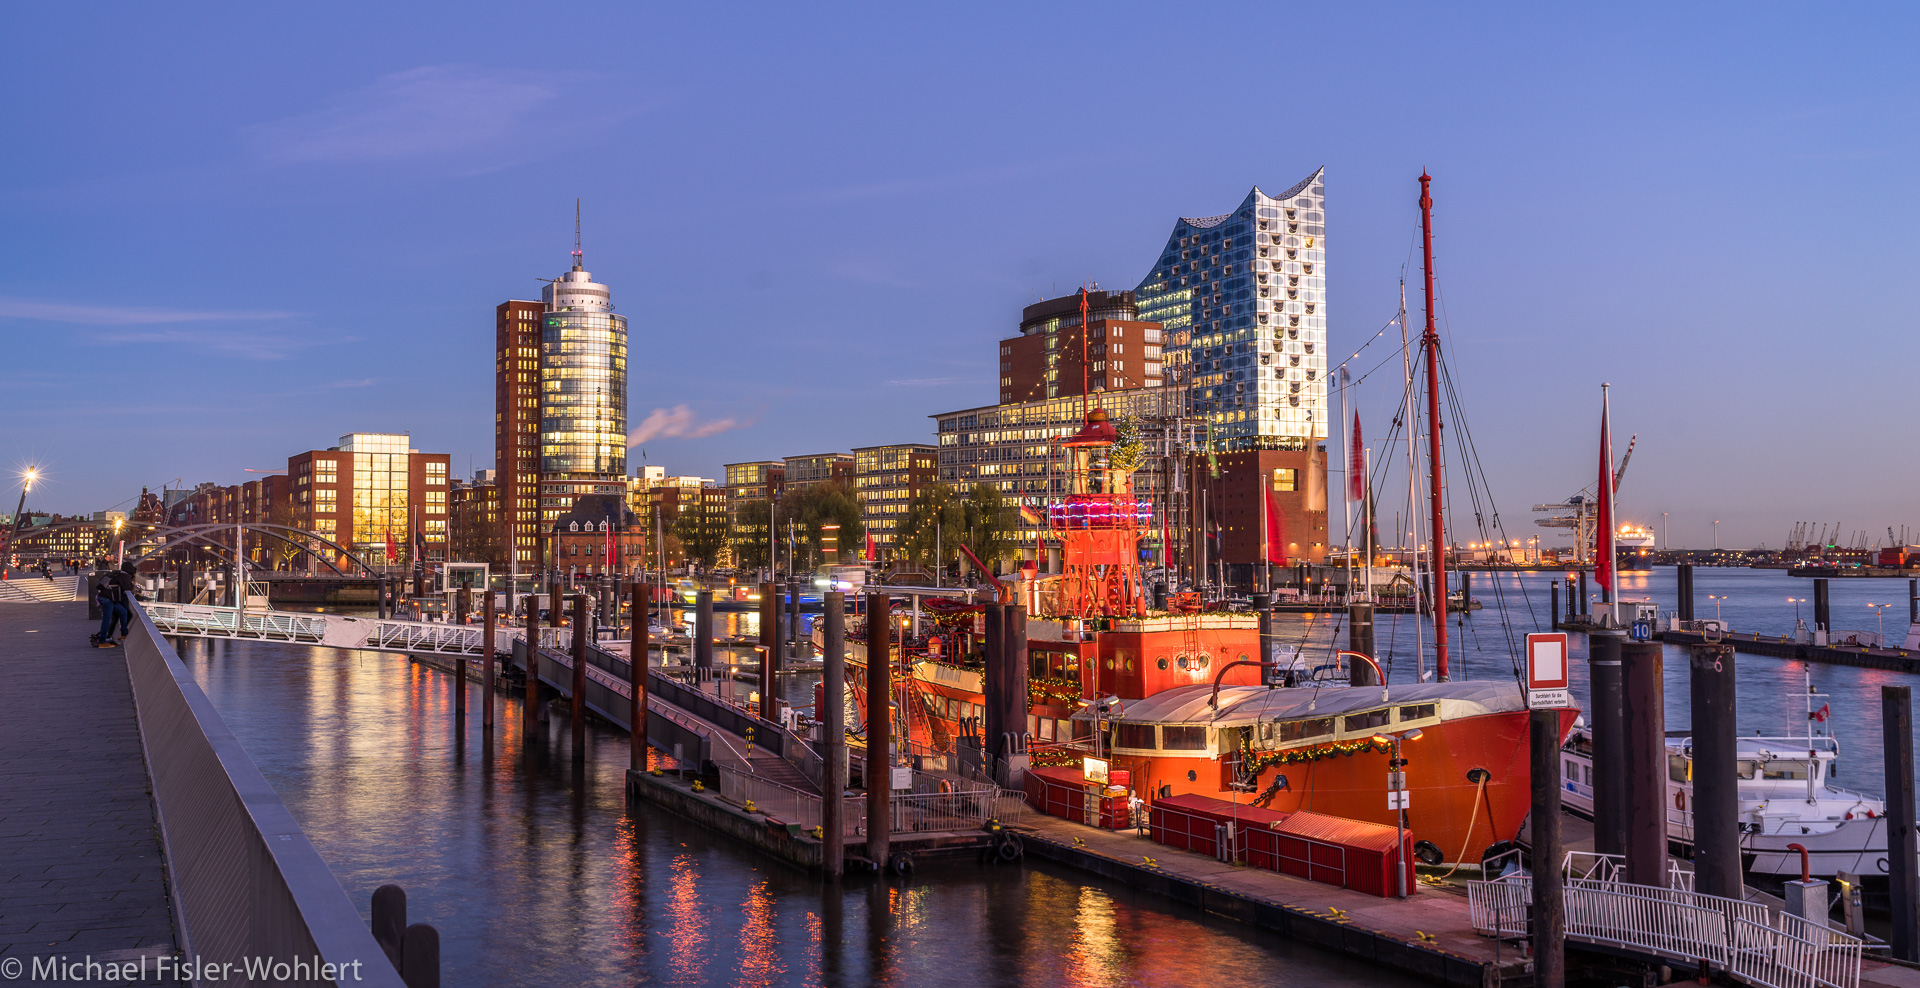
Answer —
(80, 861)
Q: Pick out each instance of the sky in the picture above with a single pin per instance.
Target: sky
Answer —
(234, 233)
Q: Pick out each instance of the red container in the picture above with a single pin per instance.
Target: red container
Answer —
(1334, 850)
(1066, 793)
(1190, 822)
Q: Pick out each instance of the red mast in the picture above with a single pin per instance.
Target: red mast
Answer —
(1431, 344)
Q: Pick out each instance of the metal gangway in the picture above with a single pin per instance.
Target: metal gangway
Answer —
(1748, 939)
(337, 630)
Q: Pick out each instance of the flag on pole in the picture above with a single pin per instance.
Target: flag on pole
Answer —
(1028, 515)
(609, 562)
(1356, 464)
(391, 557)
(1276, 531)
(873, 549)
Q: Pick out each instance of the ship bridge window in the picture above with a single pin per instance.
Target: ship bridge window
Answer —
(1183, 738)
(1784, 769)
(1677, 766)
(1745, 767)
(1134, 736)
(1416, 712)
(1365, 722)
(1300, 730)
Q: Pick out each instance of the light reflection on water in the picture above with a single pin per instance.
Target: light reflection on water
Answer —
(1769, 691)
(535, 872)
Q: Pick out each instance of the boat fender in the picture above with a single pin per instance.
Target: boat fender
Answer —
(1427, 853)
(900, 864)
(1009, 849)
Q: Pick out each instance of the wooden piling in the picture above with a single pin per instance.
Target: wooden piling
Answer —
(460, 660)
(993, 717)
(579, 709)
(1646, 763)
(879, 771)
(703, 636)
(1903, 857)
(1609, 742)
(639, 667)
(833, 731)
(1549, 911)
(1360, 639)
(1553, 602)
(1822, 605)
(769, 644)
(530, 708)
(488, 618)
(1716, 790)
(1685, 574)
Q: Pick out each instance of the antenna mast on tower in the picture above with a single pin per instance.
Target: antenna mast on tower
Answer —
(577, 256)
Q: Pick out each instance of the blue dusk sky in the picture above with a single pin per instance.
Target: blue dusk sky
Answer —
(235, 233)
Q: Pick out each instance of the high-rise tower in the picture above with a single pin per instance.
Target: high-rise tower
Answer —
(1243, 301)
(583, 386)
(516, 429)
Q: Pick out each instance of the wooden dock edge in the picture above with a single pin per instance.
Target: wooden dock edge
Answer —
(1296, 922)
(707, 809)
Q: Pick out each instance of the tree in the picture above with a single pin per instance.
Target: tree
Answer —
(747, 533)
(283, 550)
(937, 509)
(811, 511)
(702, 535)
(990, 524)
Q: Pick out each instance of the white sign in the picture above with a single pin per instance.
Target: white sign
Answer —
(1547, 671)
(903, 778)
(1396, 780)
(1398, 800)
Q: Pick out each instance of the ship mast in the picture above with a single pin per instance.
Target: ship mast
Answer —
(1431, 344)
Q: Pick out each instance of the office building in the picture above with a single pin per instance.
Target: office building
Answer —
(1241, 298)
(516, 428)
(372, 489)
(1052, 357)
(583, 384)
(887, 479)
(813, 469)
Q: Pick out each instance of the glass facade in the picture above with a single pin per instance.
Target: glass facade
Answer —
(583, 394)
(1242, 301)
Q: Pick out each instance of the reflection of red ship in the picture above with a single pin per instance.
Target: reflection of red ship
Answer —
(1183, 703)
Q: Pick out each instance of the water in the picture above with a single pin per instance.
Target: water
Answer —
(536, 873)
(1770, 690)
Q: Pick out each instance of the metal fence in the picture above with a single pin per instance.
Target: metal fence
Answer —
(1738, 935)
(243, 879)
(226, 622)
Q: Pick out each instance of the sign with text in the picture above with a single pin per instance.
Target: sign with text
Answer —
(1547, 670)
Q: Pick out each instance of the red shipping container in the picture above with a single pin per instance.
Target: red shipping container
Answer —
(1334, 850)
(1064, 792)
(1189, 821)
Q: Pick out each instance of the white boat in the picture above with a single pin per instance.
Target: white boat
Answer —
(1786, 796)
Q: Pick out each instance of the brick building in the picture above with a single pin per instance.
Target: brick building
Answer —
(1052, 357)
(593, 524)
(516, 427)
(886, 479)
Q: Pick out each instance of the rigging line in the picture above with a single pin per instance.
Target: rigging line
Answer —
(1472, 466)
(1364, 346)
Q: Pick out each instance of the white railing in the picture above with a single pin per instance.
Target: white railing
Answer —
(1737, 935)
(225, 622)
(920, 812)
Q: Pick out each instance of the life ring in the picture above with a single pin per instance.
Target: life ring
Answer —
(1679, 799)
(946, 785)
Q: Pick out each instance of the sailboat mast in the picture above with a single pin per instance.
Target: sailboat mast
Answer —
(1413, 499)
(1431, 344)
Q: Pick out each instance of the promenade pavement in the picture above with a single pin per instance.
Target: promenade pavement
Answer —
(80, 861)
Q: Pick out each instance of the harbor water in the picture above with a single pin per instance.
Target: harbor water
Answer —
(536, 872)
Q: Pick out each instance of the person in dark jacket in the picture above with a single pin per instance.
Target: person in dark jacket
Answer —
(126, 592)
(107, 595)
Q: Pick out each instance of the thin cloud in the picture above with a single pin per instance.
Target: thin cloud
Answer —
(119, 315)
(432, 110)
(922, 382)
(364, 382)
(680, 422)
(253, 344)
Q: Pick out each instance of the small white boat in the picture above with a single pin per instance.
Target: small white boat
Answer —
(1786, 796)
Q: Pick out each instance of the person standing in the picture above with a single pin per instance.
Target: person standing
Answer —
(126, 592)
(106, 595)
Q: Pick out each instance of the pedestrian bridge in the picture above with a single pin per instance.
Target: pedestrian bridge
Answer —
(1751, 941)
(338, 630)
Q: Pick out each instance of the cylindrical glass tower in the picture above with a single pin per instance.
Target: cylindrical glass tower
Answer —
(583, 402)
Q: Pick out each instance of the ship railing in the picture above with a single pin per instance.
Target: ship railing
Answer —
(1795, 954)
(1500, 908)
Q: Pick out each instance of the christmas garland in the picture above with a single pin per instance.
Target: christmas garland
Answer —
(1045, 691)
(1055, 758)
(1255, 762)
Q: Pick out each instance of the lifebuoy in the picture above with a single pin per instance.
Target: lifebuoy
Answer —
(1679, 799)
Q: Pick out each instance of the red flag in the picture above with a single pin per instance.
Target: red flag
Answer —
(1820, 714)
(1603, 518)
(609, 562)
(1356, 464)
(873, 550)
(1276, 532)
(391, 555)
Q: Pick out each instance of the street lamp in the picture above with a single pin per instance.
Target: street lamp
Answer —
(19, 511)
(1721, 599)
(1796, 602)
(1880, 611)
(1397, 801)
(1716, 533)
